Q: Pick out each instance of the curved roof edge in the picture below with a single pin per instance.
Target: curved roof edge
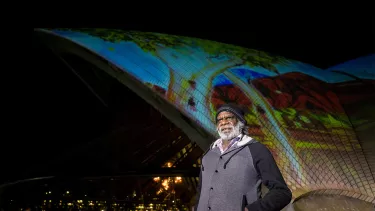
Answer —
(351, 194)
(363, 67)
(192, 129)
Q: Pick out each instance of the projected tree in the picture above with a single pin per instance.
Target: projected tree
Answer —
(191, 89)
(190, 85)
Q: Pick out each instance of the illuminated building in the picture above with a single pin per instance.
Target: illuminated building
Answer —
(316, 122)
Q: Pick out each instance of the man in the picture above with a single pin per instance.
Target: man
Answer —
(235, 166)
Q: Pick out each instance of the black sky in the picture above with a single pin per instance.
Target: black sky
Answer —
(325, 35)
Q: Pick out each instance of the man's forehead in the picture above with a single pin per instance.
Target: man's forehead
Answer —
(224, 113)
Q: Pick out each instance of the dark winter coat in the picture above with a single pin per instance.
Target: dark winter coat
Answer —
(232, 180)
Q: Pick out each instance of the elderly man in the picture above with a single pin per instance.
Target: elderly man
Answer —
(235, 166)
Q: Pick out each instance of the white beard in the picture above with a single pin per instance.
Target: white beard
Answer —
(235, 131)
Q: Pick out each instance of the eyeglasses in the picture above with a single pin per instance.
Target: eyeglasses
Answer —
(227, 118)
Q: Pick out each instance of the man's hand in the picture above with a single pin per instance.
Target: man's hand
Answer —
(246, 209)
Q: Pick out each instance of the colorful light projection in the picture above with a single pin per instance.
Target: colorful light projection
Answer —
(292, 107)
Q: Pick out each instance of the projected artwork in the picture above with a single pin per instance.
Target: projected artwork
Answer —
(293, 108)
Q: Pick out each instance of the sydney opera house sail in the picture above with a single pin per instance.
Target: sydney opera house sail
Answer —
(316, 122)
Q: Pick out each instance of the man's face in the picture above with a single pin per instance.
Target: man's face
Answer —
(227, 125)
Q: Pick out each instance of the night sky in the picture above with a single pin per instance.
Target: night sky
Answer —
(322, 40)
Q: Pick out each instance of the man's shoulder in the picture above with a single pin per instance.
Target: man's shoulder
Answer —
(258, 148)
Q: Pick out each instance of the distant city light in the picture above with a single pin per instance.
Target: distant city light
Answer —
(178, 180)
(156, 179)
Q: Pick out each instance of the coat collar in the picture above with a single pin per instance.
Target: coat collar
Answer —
(243, 140)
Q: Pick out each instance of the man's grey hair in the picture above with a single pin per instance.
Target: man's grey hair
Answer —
(244, 129)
